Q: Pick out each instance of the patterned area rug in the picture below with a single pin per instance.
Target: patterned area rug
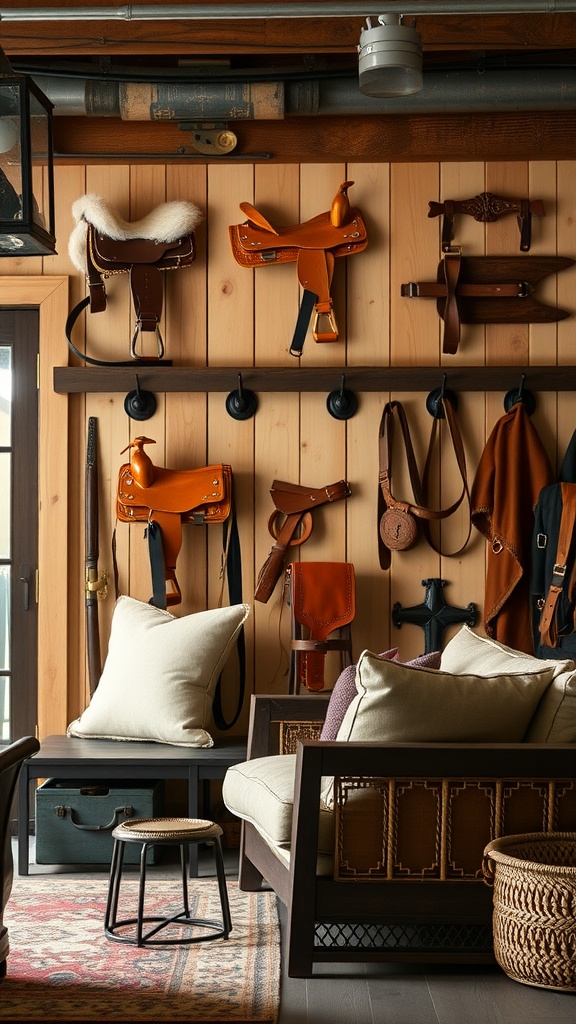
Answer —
(61, 966)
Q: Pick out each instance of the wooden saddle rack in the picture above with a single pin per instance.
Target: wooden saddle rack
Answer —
(488, 290)
(486, 207)
(313, 246)
(103, 244)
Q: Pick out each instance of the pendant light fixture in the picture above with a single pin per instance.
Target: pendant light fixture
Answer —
(389, 58)
(26, 166)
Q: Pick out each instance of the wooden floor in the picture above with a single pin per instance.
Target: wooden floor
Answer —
(401, 994)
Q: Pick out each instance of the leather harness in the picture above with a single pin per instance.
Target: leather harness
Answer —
(420, 486)
(294, 505)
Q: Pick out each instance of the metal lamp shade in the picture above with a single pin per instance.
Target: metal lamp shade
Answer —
(389, 59)
(26, 169)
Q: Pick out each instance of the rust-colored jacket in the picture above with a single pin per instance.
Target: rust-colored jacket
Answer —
(513, 469)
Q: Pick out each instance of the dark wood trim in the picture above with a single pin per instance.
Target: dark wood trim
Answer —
(545, 135)
(295, 35)
(93, 379)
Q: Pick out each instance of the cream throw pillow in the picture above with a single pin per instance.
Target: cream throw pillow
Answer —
(555, 718)
(160, 674)
(397, 703)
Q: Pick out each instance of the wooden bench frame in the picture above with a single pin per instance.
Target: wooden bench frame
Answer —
(310, 898)
(63, 757)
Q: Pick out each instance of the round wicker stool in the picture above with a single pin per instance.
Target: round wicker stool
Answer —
(165, 832)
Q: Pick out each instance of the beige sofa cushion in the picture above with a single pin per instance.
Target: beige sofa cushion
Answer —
(397, 703)
(262, 791)
(555, 718)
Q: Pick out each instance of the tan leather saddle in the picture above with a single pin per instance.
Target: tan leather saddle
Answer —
(103, 245)
(313, 246)
(164, 499)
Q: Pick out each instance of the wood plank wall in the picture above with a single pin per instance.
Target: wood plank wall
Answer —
(220, 314)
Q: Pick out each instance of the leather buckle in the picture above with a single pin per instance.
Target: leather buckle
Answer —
(558, 574)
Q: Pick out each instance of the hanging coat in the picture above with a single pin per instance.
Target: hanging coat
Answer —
(513, 469)
(544, 550)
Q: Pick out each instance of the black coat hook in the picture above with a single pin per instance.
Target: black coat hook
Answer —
(342, 404)
(241, 404)
(522, 396)
(140, 405)
(435, 399)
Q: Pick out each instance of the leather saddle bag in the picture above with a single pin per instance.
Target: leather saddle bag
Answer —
(164, 499)
(313, 246)
(400, 523)
(322, 598)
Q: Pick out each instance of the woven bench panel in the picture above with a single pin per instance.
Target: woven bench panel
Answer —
(419, 829)
(415, 851)
(292, 732)
(470, 823)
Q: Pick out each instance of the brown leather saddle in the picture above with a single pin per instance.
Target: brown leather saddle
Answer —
(103, 245)
(164, 499)
(488, 290)
(294, 505)
(313, 246)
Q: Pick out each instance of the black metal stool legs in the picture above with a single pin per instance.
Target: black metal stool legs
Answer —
(219, 861)
(203, 930)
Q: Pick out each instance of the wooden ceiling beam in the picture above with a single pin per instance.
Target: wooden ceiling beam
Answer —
(332, 35)
(459, 137)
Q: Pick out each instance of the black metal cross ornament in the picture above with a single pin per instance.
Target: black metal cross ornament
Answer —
(433, 615)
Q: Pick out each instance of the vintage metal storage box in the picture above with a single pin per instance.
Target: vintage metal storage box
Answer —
(74, 820)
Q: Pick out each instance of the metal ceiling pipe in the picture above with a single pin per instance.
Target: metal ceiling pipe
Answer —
(456, 92)
(510, 90)
(164, 101)
(234, 12)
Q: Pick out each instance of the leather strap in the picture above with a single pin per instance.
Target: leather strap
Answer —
(294, 501)
(307, 304)
(70, 323)
(548, 624)
(418, 507)
(451, 289)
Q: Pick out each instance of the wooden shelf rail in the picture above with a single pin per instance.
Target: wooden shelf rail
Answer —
(92, 379)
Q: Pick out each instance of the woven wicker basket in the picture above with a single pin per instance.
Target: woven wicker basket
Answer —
(534, 920)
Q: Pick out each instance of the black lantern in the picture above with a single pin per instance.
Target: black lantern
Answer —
(26, 166)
